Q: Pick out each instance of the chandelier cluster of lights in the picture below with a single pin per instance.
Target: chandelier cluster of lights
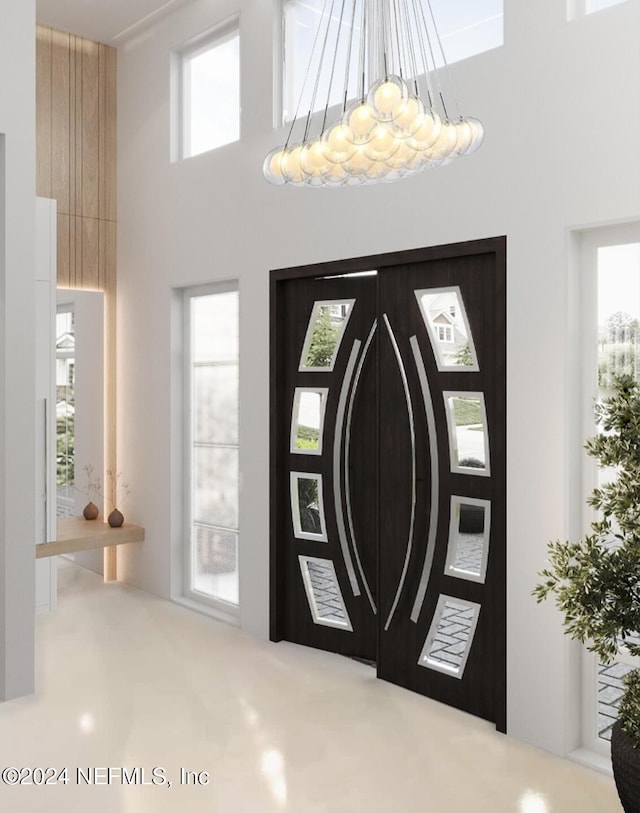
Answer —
(399, 122)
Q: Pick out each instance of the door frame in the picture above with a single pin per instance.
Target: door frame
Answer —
(492, 245)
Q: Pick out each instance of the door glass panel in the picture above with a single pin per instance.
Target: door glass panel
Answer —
(307, 420)
(216, 563)
(468, 438)
(307, 508)
(323, 593)
(469, 532)
(326, 327)
(450, 636)
(216, 487)
(446, 320)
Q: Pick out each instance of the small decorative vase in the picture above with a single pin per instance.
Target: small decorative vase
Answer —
(90, 511)
(115, 518)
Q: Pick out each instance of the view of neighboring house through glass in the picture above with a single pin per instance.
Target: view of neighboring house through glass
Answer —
(212, 372)
(65, 412)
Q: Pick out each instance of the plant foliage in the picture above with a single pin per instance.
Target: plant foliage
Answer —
(596, 582)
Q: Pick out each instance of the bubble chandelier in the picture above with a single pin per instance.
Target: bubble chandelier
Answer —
(401, 120)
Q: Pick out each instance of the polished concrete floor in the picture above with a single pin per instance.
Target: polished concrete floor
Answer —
(125, 680)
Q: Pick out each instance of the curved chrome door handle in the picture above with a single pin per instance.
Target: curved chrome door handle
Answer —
(405, 384)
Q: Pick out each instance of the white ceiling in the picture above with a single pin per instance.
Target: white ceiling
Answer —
(108, 21)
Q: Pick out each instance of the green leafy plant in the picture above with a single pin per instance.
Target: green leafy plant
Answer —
(596, 581)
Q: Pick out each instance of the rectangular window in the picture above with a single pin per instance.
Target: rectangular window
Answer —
(210, 92)
(466, 29)
(65, 411)
(598, 5)
(611, 313)
(211, 320)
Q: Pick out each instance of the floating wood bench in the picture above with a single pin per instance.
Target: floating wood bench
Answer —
(76, 534)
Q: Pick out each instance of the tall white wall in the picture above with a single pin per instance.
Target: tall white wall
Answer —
(17, 346)
(560, 104)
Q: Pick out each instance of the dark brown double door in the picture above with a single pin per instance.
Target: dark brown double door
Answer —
(388, 467)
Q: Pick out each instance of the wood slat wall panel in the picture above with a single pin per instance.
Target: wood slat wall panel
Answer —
(43, 112)
(61, 113)
(63, 262)
(110, 135)
(90, 118)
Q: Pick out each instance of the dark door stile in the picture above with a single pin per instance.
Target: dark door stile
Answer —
(389, 462)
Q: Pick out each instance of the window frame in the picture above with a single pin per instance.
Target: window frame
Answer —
(590, 242)
(218, 35)
(219, 608)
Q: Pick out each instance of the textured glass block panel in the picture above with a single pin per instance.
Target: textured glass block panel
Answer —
(323, 593)
(468, 439)
(469, 532)
(307, 420)
(215, 569)
(214, 327)
(216, 486)
(450, 636)
(307, 508)
(216, 404)
(610, 691)
(446, 320)
(324, 334)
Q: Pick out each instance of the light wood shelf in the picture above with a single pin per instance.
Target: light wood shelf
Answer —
(76, 534)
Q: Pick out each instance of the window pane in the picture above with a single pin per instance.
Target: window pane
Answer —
(212, 96)
(610, 691)
(467, 424)
(214, 325)
(216, 486)
(216, 404)
(447, 324)
(216, 564)
(65, 413)
(468, 538)
(450, 636)
(307, 420)
(465, 29)
(323, 593)
(324, 334)
(618, 312)
(598, 5)
(213, 432)
(307, 509)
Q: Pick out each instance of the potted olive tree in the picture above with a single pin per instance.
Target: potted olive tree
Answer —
(596, 582)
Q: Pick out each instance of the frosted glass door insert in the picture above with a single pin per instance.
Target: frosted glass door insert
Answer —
(307, 420)
(447, 324)
(323, 593)
(468, 437)
(450, 636)
(469, 533)
(307, 510)
(324, 334)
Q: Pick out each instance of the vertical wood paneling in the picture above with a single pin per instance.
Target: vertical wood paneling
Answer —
(90, 119)
(61, 112)
(90, 252)
(72, 125)
(79, 87)
(63, 264)
(43, 112)
(109, 180)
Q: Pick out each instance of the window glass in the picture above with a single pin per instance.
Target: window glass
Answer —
(211, 94)
(212, 392)
(465, 29)
(65, 412)
(598, 5)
